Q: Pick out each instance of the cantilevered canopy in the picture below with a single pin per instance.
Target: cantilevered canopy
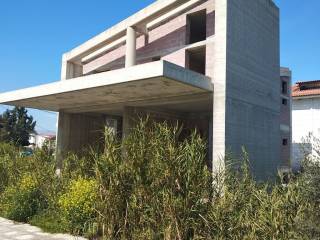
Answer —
(147, 82)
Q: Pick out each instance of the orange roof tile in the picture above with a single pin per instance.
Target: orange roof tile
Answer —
(305, 89)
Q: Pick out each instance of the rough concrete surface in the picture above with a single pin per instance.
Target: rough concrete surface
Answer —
(10, 230)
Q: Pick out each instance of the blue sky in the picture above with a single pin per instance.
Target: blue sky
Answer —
(35, 34)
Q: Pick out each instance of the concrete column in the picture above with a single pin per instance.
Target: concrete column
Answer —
(77, 70)
(131, 47)
(68, 70)
(218, 69)
(210, 140)
(128, 121)
(127, 125)
(63, 138)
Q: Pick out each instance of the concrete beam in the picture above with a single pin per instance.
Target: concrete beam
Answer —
(147, 14)
(140, 29)
(104, 49)
(175, 12)
(146, 57)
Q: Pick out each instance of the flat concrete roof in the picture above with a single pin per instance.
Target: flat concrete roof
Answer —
(147, 82)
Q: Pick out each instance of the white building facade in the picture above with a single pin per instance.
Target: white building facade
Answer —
(39, 140)
(305, 118)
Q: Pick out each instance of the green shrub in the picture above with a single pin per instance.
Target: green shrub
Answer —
(13, 166)
(8, 155)
(22, 201)
(78, 203)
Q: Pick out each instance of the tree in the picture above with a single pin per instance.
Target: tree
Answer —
(17, 126)
(1, 128)
(1, 122)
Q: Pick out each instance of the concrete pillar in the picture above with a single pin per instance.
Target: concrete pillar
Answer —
(219, 66)
(131, 47)
(63, 138)
(210, 140)
(128, 121)
(68, 70)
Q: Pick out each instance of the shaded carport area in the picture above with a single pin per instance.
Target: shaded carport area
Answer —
(87, 104)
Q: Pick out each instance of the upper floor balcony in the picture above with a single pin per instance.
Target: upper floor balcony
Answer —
(171, 30)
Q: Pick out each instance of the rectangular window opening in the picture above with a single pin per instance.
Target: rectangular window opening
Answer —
(284, 87)
(196, 60)
(197, 27)
(284, 101)
(285, 142)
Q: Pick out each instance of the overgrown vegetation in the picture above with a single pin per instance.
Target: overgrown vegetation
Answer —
(156, 185)
(23, 200)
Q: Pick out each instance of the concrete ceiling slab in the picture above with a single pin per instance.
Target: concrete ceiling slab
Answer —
(148, 82)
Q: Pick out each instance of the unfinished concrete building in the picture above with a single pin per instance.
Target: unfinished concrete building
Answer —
(212, 64)
(286, 119)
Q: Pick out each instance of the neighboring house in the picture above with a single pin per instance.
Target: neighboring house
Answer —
(39, 140)
(305, 117)
(213, 65)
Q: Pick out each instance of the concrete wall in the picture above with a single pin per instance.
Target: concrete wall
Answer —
(250, 82)
(305, 120)
(86, 131)
(77, 132)
(285, 120)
